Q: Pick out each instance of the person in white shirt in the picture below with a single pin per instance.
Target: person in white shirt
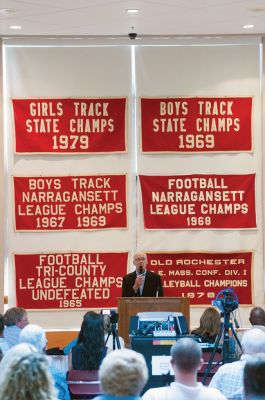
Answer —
(15, 319)
(229, 377)
(186, 360)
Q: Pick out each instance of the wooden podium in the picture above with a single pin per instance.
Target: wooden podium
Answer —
(128, 306)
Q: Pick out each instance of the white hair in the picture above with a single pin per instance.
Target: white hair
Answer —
(253, 341)
(123, 373)
(35, 335)
(12, 356)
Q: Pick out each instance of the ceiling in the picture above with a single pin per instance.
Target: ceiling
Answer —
(109, 17)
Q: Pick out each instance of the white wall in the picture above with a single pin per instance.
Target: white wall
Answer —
(215, 70)
(224, 70)
(66, 72)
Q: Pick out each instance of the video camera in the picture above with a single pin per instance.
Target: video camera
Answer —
(226, 300)
(113, 315)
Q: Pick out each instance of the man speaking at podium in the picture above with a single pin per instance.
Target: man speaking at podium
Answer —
(141, 282)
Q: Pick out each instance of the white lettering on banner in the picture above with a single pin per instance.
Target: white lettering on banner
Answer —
(60, 282)
(173, 108)
(224, 208)
(191, 201)
(91, 109)
(91, 125)
(69, 280)
(217, 124)
(225, 261)
(209, 195)
(197, 183)
(189, 209)
(169, 125)
(45, 109)
(89, 281)
(70, 202)
(70, 258)
(180, 272)
(70, 270)
(207, 107)
(174, 209)
(87, 183)
(226, 283)
(201, 275)
(45, 183)
(62, 294)
(45, 209)
(181, 284)
(47, 125)
(43, 283)
(68, 197)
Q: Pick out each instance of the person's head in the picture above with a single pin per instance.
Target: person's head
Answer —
(254, 377)
(186, 356)
(140, 262)
(123, 373)
(35, 335)
(12, 356)
(28, 379)
(2, 325)
(210, 322)
(91, 336)
(253, 341)
(257, 316)
(16, 316)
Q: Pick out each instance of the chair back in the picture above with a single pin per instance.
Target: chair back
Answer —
(83, 384)
(216, 363)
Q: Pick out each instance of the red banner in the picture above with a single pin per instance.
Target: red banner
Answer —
(200, 276)
(70, 202)
(199, 201)
(89, 125)
(198, 124)
(69, 280)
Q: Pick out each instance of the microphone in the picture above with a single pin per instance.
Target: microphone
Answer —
(158, 289)
(141, 270)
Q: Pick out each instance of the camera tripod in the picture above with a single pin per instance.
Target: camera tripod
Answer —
(228, 356)
(115, 336)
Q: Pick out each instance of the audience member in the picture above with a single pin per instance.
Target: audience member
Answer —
(257, 318)
(35, 335)
(254, 378)
(108, 337)
(209, 325)
(28, 379)
(90, 349)
(12, 356)
(229, 377)
(3, 342)
(186, 361)
(15, 319)
(123, 374)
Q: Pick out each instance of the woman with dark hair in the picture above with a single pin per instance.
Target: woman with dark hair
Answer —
(90, 349)
(209, 325)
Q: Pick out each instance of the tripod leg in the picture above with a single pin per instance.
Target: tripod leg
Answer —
(115, 337)
(236, 337)
(106, 341)
(209, 366)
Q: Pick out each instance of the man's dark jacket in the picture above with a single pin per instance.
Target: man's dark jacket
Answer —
(152, 285)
